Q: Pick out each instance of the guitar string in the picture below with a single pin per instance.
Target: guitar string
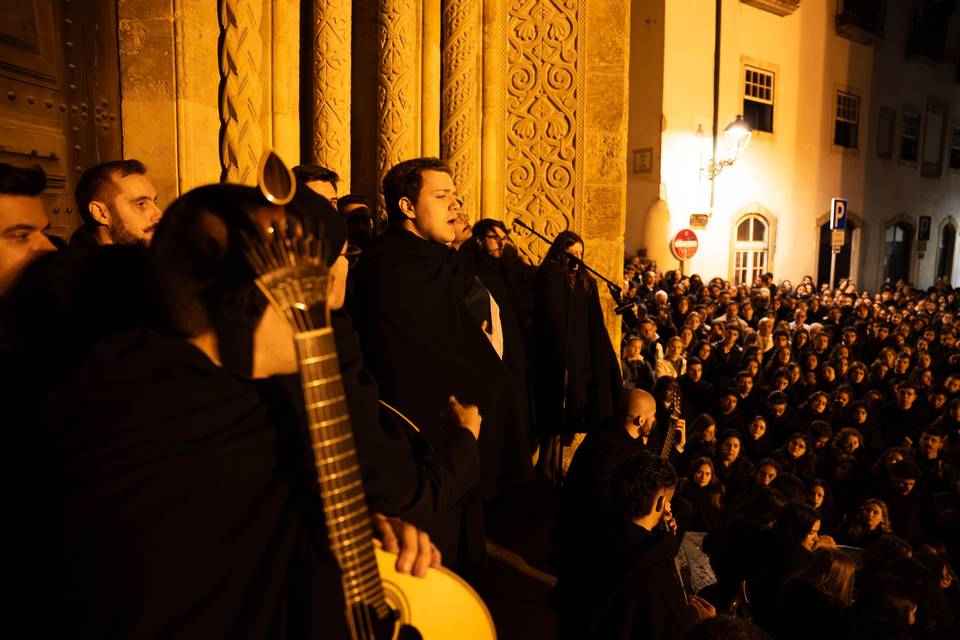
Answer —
(354, 588)
(302, 324)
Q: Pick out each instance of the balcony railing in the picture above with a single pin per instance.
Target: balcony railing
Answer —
(779, 7)
(928, 33)
(861, 20)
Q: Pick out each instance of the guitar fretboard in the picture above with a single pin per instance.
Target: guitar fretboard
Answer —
(338, 468)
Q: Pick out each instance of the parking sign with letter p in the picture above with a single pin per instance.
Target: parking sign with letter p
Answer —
(838, 214)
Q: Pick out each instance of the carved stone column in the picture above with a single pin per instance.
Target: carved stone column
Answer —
(332, 52)
(241, 102)
(398, 91)
(461, 96)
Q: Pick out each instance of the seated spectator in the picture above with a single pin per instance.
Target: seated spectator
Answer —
(730, 462)
(939, 472)
(821, 499)
(868, 524)
(757, 444)
(704, 491)
(783, 551)
(672, 364)
(796, 457)
(905, 501)
(812, 603)
(702, 436)
(637, 372)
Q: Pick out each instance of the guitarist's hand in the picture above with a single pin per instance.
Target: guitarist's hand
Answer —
(466, 416)
(415, 552)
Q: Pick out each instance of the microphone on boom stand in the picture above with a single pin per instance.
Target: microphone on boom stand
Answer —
(616, 292)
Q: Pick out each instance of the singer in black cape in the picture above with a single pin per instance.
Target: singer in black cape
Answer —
(569, 330)
(422, 344)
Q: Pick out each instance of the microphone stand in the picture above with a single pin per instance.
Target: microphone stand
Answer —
(616, 292)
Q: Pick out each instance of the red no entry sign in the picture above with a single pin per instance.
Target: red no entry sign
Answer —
(684, 245)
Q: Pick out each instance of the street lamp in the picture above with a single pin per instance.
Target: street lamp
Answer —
(736, 137)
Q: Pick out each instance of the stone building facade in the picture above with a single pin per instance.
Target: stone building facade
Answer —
(862, 101)
(525, 100)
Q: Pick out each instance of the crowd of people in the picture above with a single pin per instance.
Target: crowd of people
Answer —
(807, 419)
(159, 433)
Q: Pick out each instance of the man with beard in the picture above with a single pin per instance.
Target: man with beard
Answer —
(118, 205)
(421, 341)
(96, 283)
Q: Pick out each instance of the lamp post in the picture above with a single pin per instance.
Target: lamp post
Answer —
(736, 136)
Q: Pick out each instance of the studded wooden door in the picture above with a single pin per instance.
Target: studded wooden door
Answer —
(59, 94)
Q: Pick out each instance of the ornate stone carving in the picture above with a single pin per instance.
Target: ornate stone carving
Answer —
(543, 128)
(332, 21)
(460, 97)
(241, 99)
(398, 109)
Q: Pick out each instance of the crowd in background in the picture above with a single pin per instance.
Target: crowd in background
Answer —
(803, 406)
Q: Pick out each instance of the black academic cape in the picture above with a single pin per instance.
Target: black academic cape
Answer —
(402, 474)
(629, 588)
(570, 334)
(189, 501)
(586, 497)
(502, 283)
(422, 344)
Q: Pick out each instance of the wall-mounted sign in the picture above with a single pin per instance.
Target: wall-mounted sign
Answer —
(684, 245)
(643, 160)
(699, 220)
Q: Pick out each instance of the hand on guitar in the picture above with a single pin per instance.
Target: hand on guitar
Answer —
(702, 608)
(465, 415)
(415, 552)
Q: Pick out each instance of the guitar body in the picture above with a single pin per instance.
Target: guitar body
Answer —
(438, 606)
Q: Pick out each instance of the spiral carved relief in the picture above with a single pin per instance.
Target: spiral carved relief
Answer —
(241, 94)
(331, 86)
(397, 91)
(544, 92)
(460, 97)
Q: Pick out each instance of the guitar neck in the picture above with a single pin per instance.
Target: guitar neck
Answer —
(670, 439)
(338, 468)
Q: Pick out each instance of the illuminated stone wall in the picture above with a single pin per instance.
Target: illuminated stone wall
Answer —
(526, 101)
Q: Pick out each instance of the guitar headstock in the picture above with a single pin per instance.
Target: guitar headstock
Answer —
(287, 251)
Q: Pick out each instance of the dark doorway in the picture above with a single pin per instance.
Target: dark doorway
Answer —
(897, 247)
(842, 268)
(948, 238)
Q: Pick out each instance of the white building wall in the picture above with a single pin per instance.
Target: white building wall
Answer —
(794, 172)
(896, 188)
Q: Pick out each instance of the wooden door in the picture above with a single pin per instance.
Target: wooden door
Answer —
(59, 94)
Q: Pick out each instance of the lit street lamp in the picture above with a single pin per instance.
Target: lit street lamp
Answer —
(736, 137)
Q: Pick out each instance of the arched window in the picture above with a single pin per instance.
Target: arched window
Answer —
(750, 249)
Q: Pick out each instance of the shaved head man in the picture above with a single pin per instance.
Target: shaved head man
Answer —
(639, 411)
